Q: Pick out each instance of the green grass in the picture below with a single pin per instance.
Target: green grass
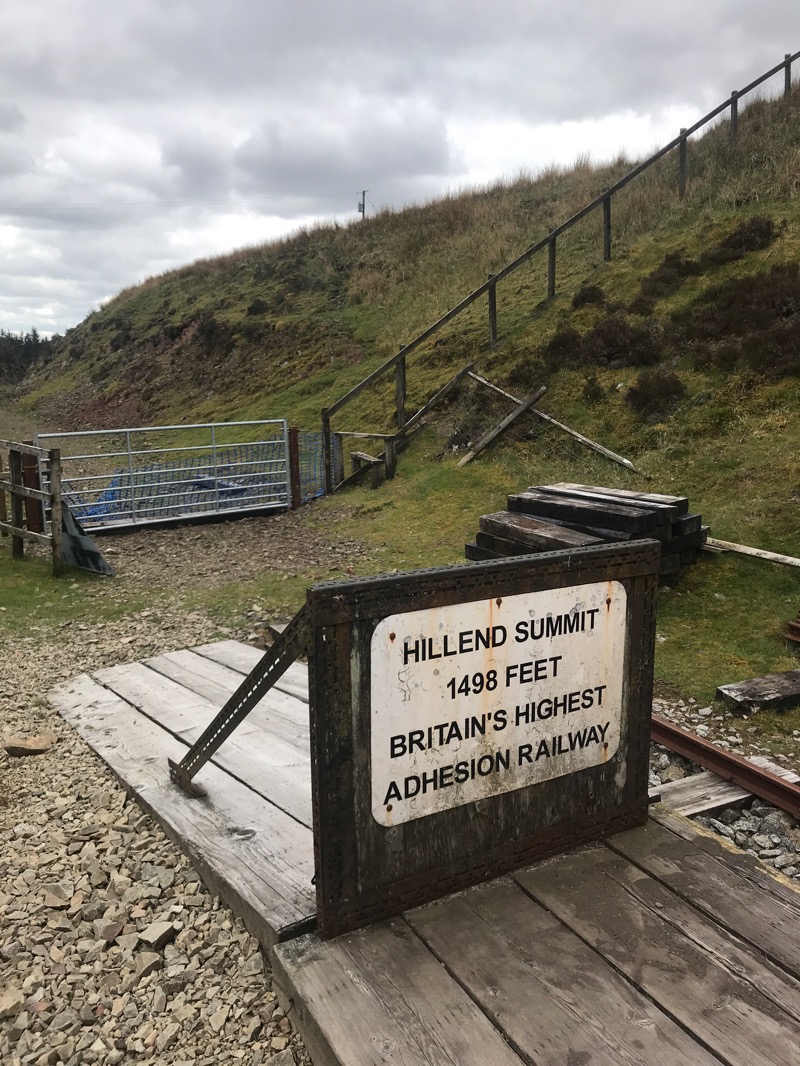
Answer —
(33, 598)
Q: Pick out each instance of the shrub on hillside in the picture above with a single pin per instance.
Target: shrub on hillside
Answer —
(588, 294)
(565, 348)
(742, 306)
(527, 374)
(655, 392)
(593, 391)
(665, 280)
(775, 353)
(750, 236)
(615, 341)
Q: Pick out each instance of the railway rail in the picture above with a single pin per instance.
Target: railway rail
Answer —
(762, 783)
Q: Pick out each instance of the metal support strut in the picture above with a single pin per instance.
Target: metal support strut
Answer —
(275, 662)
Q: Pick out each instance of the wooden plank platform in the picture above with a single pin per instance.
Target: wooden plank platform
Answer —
(662, 944)
(250, 838)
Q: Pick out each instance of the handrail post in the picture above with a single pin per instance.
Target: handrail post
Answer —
(551, 267)
(682, 164)
(491, 292)
(787, 74)
(56, 511)
(606, 228)
(3, 512)
(15, 469)
(326, 451)
(400, 392)
(734, 116)
(390, 456)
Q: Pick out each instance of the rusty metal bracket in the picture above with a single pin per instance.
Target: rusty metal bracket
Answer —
(275, 662)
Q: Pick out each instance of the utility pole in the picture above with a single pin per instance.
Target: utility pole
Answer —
(362, 204)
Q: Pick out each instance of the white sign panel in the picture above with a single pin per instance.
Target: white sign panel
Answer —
(480, 698)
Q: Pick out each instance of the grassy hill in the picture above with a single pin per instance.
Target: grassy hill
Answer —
(682, 353)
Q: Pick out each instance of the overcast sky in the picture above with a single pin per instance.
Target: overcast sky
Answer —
(138, 135)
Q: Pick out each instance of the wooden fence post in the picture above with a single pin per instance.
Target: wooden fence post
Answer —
(491, 292)
(15, 467)
(551, 267)
(400, 392)
(56, 511)
(337, 458)
(390, 456)
(34, 509)
(294, 468)
(682, 164)
(326, 451)
(734, 116)
(3, 511)
(787, 74)
(606, 228)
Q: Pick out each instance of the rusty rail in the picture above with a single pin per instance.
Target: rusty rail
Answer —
(761, 783)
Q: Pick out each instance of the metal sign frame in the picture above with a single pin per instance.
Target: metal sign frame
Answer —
(366, 871)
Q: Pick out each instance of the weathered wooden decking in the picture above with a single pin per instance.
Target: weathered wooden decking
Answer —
(660, 945)
(250, 837)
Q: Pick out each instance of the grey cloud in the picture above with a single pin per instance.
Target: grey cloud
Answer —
(327, 161)
(115, 114)
(12, 119)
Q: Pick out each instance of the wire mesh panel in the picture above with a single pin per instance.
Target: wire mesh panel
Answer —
(312, 465)
(124, 477)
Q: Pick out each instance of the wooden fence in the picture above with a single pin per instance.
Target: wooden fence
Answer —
(489, 287)
(30, 504)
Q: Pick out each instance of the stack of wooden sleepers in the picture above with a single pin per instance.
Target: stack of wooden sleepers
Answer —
(554, 517)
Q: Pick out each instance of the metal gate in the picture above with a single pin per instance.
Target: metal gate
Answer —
(113, 478)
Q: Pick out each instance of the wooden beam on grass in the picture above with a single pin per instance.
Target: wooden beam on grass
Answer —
(560, 425)
(501, 427)
(589, 443)
(757, 553)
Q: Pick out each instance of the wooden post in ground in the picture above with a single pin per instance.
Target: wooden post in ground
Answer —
(606, 228)
(734, 116)
(337, 458)
(56, 511)
(15, 468)
(294, 468)
(326, 451)
(34, 509)
(787, 74)
(551, 268)
(390, 456)
(491, 292)
(3, 511)
(682, 164)
(400, 392)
